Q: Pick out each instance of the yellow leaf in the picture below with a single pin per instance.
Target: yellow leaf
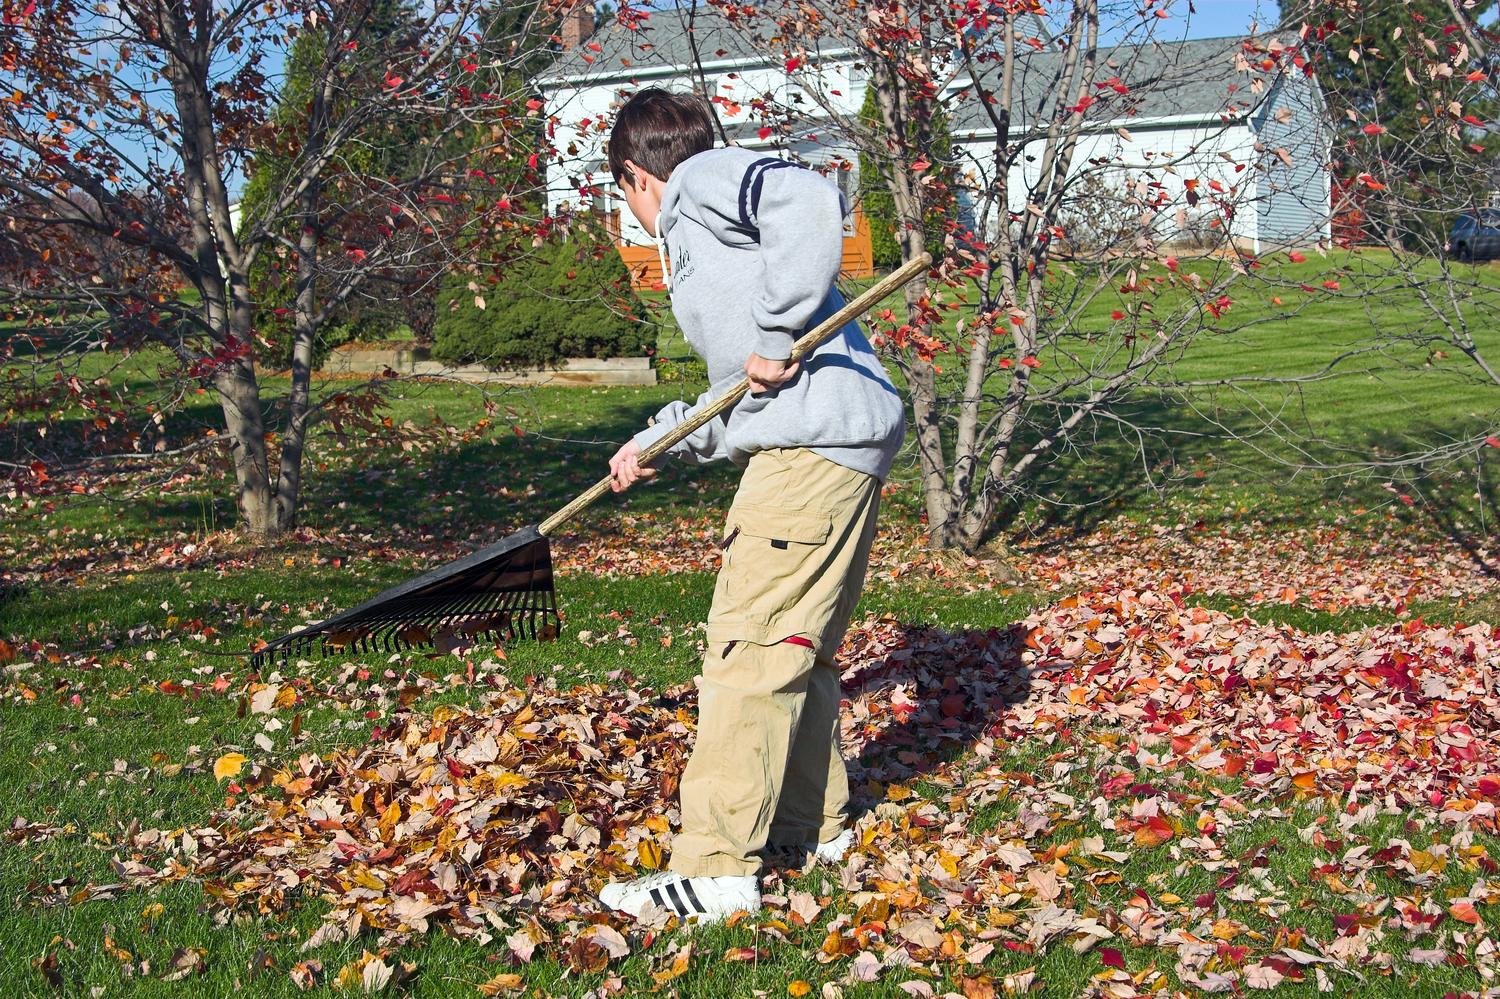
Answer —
(798, 988)
(503, 982)
(388, 819)
(1226, 929)
(649, 854)
(679, 966)
(365, 879)
(228, 766)
(115, 951)
(1424, 861)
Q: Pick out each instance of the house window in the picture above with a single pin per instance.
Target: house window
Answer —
(848, 185)
(605, 204)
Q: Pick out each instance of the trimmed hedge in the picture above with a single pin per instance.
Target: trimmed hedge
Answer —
(566, 299)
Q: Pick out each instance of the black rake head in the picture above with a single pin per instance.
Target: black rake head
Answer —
(495, 594)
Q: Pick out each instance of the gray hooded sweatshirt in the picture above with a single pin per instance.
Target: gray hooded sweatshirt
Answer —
(754, 245)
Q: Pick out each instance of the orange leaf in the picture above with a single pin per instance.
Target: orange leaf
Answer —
(1153, 832)
(1464, 912)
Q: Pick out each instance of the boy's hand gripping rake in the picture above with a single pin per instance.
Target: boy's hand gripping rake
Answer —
(506, 591)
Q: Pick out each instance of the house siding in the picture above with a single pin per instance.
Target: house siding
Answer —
(1293, 205)
(1167, 154)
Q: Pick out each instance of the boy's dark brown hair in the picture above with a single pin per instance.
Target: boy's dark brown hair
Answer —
(656, 130)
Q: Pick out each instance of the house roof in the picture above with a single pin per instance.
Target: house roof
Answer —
(1200, 78)
(671, 36)
(1197, 77)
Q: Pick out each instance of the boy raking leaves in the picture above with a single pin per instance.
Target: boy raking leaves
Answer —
(750, 247)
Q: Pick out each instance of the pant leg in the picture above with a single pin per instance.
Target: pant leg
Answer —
(750, 709)
(814, 802)
(802, 527)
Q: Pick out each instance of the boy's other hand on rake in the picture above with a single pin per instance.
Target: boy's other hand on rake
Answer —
(626, 469)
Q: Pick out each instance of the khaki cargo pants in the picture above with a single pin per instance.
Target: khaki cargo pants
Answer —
(766, 767)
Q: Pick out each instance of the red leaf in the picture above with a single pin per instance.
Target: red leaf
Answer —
(793, 64)
(1112, 958)
(1373, 129)
(1117, 315)
(1031, 362)
(765, 132)
(1492, 441)
(1296, 257)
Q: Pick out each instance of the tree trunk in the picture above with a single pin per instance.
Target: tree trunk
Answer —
(910, 124)
(294, 440)
(239, 397)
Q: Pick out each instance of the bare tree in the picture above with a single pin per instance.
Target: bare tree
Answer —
(1004, 354)
(120, 150)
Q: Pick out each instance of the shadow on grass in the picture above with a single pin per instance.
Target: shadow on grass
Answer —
(1454, 515)
(944, 690)
(476, 491)
(1187, 447)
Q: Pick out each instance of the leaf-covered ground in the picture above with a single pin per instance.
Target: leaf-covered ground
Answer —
(1120, 793)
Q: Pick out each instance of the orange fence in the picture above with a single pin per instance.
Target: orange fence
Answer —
(859, 260)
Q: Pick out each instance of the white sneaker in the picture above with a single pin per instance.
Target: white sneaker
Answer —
(707, 899)
(834, 850)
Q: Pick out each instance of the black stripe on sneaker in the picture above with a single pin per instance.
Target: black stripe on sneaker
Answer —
(687, 886)
(678, 905)
(657, 899)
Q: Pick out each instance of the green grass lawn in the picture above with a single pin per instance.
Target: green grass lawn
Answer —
(120, 733)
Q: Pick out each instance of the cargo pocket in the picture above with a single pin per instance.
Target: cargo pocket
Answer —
(774, 555)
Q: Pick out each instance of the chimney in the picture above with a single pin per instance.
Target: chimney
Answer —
(577, 24)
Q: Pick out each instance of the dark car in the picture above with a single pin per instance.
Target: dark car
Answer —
(1476, 235)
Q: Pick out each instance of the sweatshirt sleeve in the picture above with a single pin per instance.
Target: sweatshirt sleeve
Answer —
(800, 217)
(703, 445)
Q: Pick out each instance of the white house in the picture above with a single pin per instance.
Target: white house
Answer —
(1198, 110)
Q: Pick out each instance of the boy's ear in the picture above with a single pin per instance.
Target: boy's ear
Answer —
(634, 176)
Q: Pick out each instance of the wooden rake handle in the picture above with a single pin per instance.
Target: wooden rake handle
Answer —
(804, 346)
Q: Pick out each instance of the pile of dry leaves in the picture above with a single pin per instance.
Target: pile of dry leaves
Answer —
(498, 822)
(1324, 567)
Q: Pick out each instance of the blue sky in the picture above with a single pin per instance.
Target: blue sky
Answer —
(1214, 18)
(1227, 17)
